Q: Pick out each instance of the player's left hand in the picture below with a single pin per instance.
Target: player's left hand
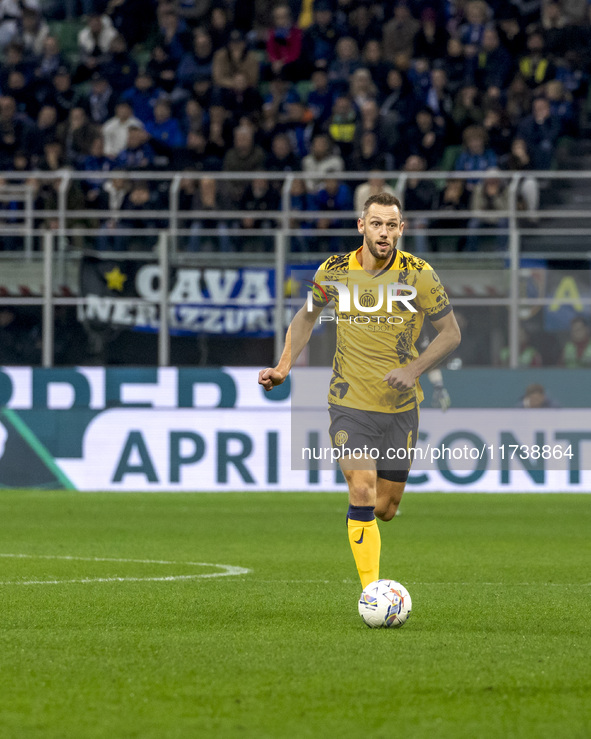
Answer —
(400, 379)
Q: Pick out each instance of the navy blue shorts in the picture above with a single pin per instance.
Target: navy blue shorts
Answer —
(387, 438)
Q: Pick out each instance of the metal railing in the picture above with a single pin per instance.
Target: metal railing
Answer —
(59, 234)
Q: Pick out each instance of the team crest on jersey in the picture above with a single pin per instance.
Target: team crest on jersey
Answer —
(341, 438)
(367, 299)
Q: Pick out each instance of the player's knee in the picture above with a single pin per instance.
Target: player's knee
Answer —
(361, 494)
(388, 513)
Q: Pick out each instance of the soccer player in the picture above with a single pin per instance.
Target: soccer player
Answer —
(374, 392)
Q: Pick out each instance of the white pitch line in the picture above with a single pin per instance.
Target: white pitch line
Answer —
(227, 570)
(439, 584)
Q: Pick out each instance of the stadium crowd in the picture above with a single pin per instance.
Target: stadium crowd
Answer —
(323, 86)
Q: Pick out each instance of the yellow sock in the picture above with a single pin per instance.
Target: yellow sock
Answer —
(365, 541)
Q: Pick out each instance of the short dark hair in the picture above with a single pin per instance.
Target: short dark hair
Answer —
(382, 198)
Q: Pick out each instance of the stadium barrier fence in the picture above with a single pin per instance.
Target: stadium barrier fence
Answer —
(56, 237)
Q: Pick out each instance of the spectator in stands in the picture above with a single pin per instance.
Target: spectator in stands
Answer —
(53, 157)
(399, 108)
(467, 110)
(477, 16)
(142, 97)
(371, 121)
(529, 356)
(321, 37)
(232, 58)
(577, 350)
(321, 159)
(192, 154)
(419, 76)
(244, 156)
(14, 61)
(282, 157)
(320, 97)
(363, 25)
(138, 154)
(11, 12)
(519, 99)
(475, 155)
(561, 107)
(519, 160)
(418, 194)
(536, 67)
(332, 197)
(362, 88)
(197, 62)
(284, 44)
(219, 25)
(490, 194)
(164, 128)
(243, 101)
(498, 128)
(162, 69)
(431, 38)
(140, 199)
(511, 34)
(399, 33)
(301, 202)
(50, 60)
(570, 70)
(118, 66)
(282, 93)
(342, 124)
(46, 126)
(535, 396)
(258, 198)
(33, 32)
(453, 198)
(173, 33)
(76, 134)
(49, 194)
(439, 99)
(17, 132)
(423, 138)
(343, 65)
(367, 155)
(101, 100)
(375, 185)
(495, 66)
(60, 94)
(115, 129)
(133, 19)
(454, 64)
(116, 190)
(194, 12)
(373, 60)
(94, 42)
(22, 93)
(219, 136)
(93, 188)
(540, 131)
(205, 194)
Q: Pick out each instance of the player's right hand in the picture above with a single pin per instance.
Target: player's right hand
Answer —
(270, 377)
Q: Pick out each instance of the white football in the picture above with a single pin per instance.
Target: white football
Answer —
(385, 604)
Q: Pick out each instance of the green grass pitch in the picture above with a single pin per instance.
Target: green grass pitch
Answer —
(498, 645)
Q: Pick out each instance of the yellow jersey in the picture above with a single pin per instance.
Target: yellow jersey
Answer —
(379, 318)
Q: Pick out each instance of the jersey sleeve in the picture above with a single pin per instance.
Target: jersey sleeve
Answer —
(329, 271)
(431, 296)
(320, 293)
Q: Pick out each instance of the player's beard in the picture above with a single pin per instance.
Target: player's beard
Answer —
(380, 253)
